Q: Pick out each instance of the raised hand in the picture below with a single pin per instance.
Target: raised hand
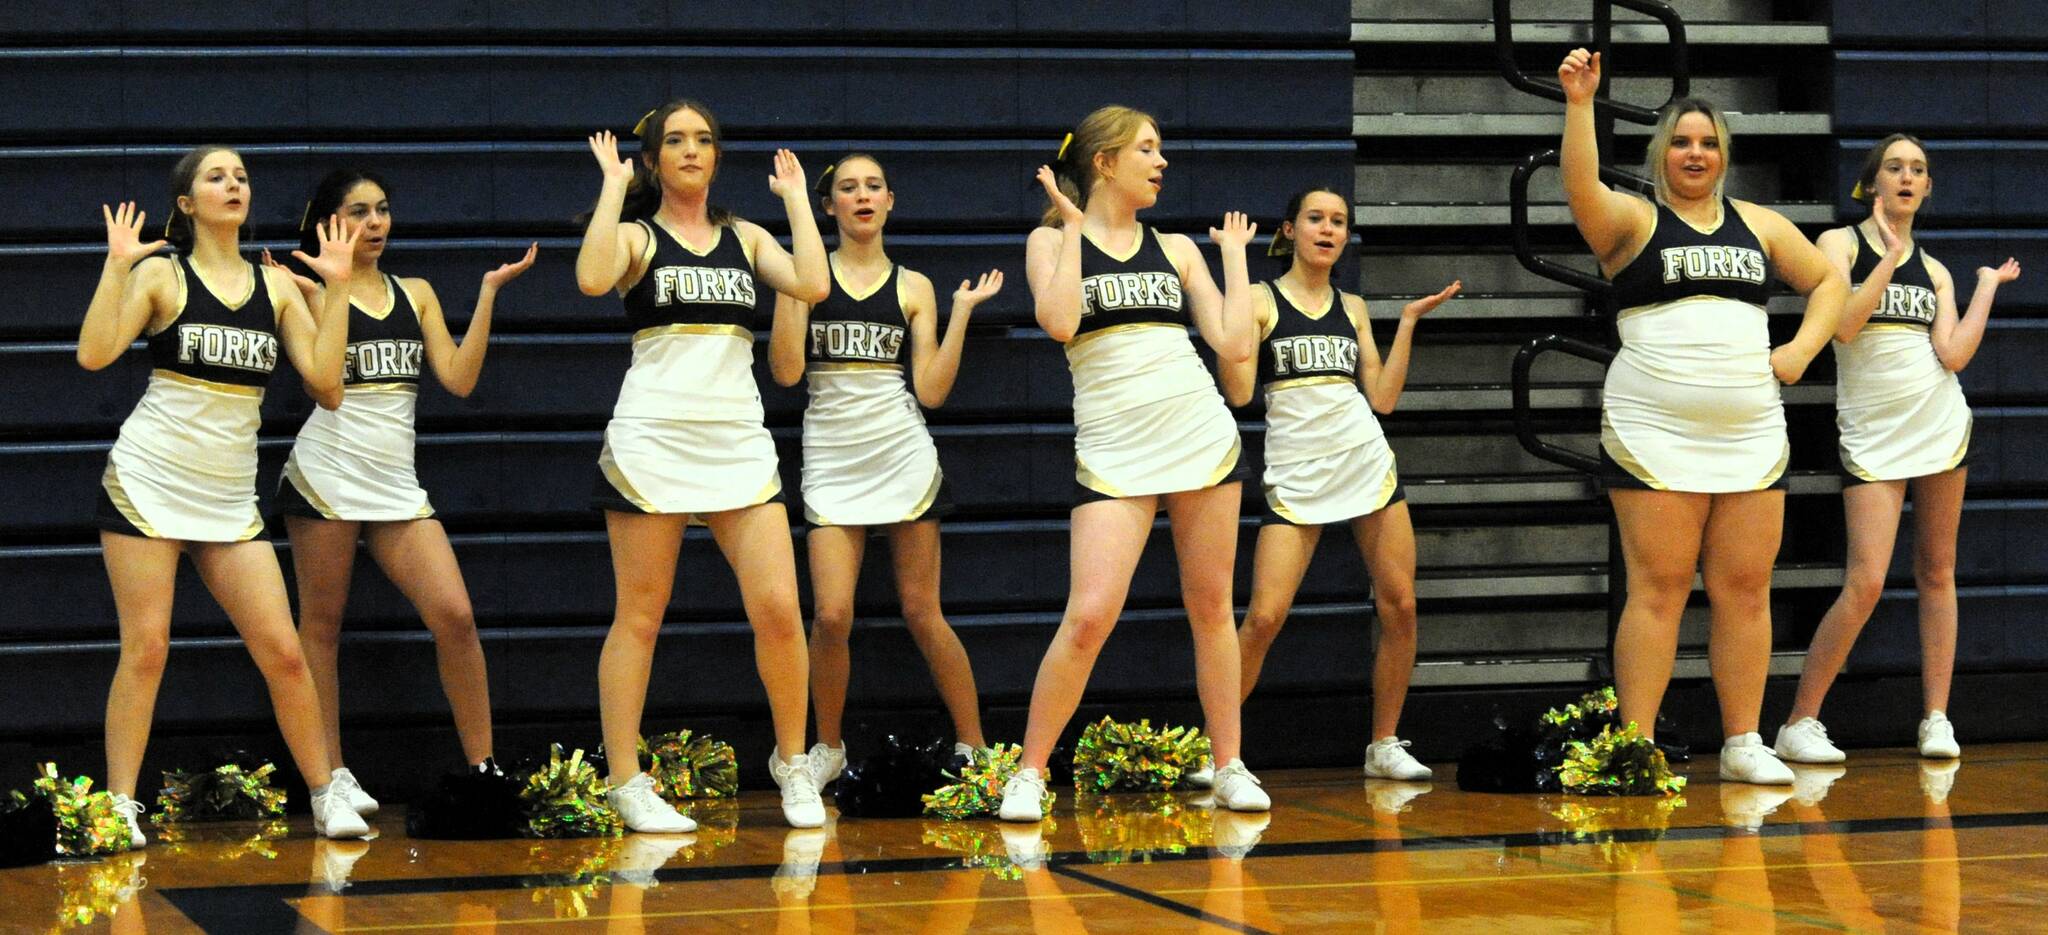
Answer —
(1580, 76)
(1414, 311)
(1886, 235)
(307, 287)
(2005, 273)
(337, 250)
(1237, 230)
(1788, 364)
(614, 166)
(788, 178)
(124, 234)
(1070, 214)
(971, 294)
(497, 278)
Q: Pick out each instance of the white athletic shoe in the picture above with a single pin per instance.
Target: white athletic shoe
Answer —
(827, 763)
(333, 861)
(1026, 846)
(1746, 806)
(1806, 741)
(1810, 783)
(1387, 758)
(1201, 777)
(1237, 833)
(1744, 758)
(333, 817)
(346, 786)
(132, 810)
(801, 806)
(1938, 737)
(1238, 790)
(1936, 779)
(1391, 796)
(644, 810)
(1023, 797)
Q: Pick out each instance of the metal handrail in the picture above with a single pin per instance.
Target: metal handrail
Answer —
(1524, 413)
(1518, 220)
(1674, 27)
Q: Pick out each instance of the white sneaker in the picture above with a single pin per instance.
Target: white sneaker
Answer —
(333, 817)
(1938, 737)
(1744, 758)
(1806, 741)
(1238, 790)
(1201, 777)
(132, 810)
(963, 751)
(1023, 797)
(1236, 834)
(333, 861)
(827, 763)
(801, 806)
(1391, 797)
(1936, 779)
(1810, 783)
(797, 875)
(345, 785)
(1026, 846)
(1387, 758)
(644, 810)
(645, 853)
(1746, 806)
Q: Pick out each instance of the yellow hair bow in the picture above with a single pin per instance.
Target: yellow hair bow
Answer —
(641, 127)
(1069, 141)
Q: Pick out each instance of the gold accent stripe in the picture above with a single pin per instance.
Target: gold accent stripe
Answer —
(1627, 459)
(1088, 479)
(1881, 327)
(617, 477)
(931, 496)
(849, 366)
(255, 529)
(233, 389)
(660, 331)
(1079, 339)
(1387, 488)
(1279, 508)
(111, 481)
(297, 478)
(1777, 470)
(1229, 462)
(1298, 382)
(858, 295)
(381, 387)
(1635, 309)
(1857, 470)
(1962, 450)
(426, 511)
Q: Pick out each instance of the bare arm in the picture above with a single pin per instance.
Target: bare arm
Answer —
(805, 275)
(1241, 377)
(1224, 319)
(1610, 221)
(1052, 266)
(318, 344)
(1803, 267)
(786, 340)
(127, 295)
(459, 365)
(1956, 340)
(1840, 247)
(935, 363)
(606, 255)
(1383, 383)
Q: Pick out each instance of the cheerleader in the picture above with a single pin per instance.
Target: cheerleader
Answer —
(1151, 430)
(685, 440)
(1903, 420)
(350, 474)
(181, 478)
(868, 460)
(1327, 460)
(1691, 425)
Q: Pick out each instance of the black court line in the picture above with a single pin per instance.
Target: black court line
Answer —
(262, 907)
(1192, 912)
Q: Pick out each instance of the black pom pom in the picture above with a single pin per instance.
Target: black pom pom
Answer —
(470, 805)
(892, 781)
(1509, 760)
(1059, 768)
(28, 831)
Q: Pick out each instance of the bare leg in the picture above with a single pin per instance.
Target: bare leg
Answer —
(1660, 542)
(1872, 512)
(644, 549)
(1205, 545)
(1937, 513)
(1743, 531)
(835, 570)
(1386, 539)
(1108, 537)
(416, 557)
(756, 544)
(245, 579)
(1279, 560)
(144, 576)
(916, 548)
(323, 561)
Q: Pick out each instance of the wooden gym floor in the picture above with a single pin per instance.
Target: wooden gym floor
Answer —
(1891, 843)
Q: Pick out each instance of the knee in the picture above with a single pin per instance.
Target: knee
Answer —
(454, 622)
(1663, 592)
(319, 627)
(831, 626)
(1861, 589)
(1396, 606)
(1744, 589)
(1089, 627)
(642, 625)
(924, 622)
(1209, 604)
(146, 653)
(1936, 573)
(1261, 627)
(776, 619)
(279, 659)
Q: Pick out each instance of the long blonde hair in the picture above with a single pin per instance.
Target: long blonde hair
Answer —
(1667, 127)
(1107, 130)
